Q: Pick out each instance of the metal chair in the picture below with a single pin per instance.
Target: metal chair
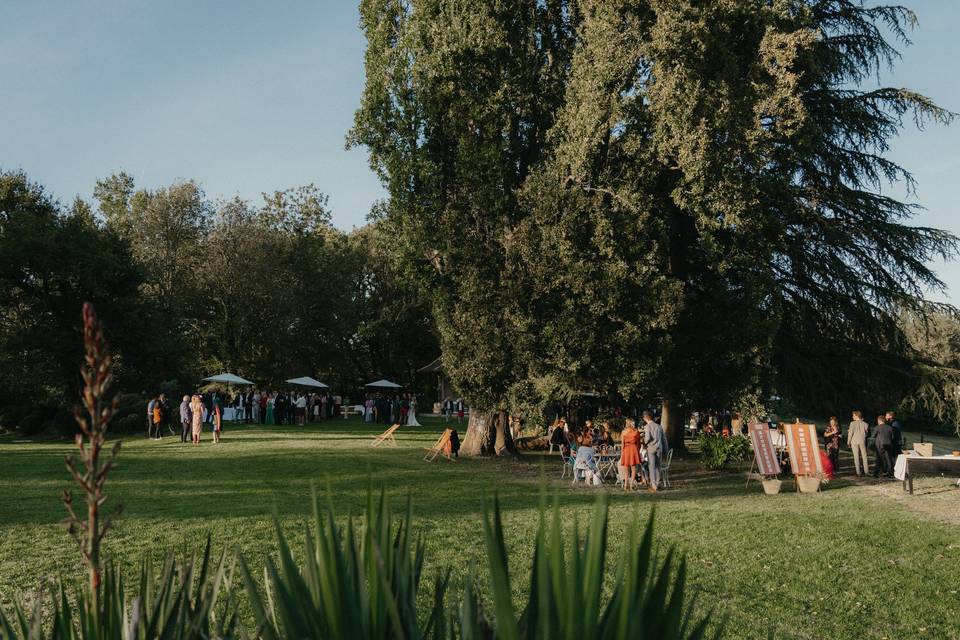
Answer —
(665, 469)
(567, 461)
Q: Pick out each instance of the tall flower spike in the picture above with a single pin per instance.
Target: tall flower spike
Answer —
(88, 469)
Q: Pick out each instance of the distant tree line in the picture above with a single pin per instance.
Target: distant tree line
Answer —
(189, 287)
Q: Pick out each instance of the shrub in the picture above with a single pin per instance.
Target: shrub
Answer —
(718, 452)
(131, 423)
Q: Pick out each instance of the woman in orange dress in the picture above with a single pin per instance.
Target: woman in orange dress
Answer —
(630, 456)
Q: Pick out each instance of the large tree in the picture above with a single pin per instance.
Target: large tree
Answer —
(52, 260)
(695, 215)
(456, 109)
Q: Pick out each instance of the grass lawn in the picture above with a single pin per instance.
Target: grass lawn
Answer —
(858, 561)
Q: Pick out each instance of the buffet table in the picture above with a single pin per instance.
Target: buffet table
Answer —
(911, 464)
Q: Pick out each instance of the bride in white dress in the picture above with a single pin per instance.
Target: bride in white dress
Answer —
(412, 414)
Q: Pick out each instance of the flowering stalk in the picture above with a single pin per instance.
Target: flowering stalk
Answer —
(89, 470)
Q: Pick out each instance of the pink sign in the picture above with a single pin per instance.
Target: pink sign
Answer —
(763, 451)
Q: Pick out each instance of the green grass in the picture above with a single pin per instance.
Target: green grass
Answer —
(858, 561)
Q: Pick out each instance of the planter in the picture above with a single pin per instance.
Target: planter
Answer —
(808, 484)
(771, 486)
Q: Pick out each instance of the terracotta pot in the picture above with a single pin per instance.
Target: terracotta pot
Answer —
(808, 484)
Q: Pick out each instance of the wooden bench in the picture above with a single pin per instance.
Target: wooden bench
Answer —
(386, 437)
(442, 445)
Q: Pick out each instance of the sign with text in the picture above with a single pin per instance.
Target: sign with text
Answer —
(763, 451)
(804, 449)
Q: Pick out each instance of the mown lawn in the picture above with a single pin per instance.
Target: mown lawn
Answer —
(860, 560)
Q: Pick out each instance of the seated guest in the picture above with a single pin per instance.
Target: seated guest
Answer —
(605, 434)
(596, 439)
(585, 464)
(454, 443)
(557, 437)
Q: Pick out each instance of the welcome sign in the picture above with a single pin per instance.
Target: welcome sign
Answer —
(804, 449)
(766, 457)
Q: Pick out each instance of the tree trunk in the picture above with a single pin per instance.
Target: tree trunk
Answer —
(672, 419)
(488, 434)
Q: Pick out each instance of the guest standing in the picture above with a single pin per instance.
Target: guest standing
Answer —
(655, 440)
(157, 417)
(270, 408)
(630, 455)
(896, 447)
(217, 421)
(832, 439)
(150, 405)
(196, 415)
(857, 441)
(186, 416)
(883, 441)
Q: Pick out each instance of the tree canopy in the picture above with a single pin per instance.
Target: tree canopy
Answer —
(668, 199)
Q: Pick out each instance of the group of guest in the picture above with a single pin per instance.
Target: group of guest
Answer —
(195, 411)
(453, 408)
(887, 435)
(401, 409)
(280, 407)
(641, 455)
(193, 414)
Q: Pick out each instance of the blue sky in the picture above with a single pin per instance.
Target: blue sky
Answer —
(248, 97)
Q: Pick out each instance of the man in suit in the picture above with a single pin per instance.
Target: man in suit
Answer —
(883, 441)
(653, 438)
(857, 441)
(897, 446)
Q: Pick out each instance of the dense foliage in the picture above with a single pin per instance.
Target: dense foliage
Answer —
(190, 287)
(719, 452)
(673, 200)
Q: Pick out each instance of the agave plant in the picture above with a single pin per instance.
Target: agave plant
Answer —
(363, 583)
(181, 605)
(352, 583)
(566, 585)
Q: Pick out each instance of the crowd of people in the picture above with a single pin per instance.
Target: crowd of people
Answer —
(280, 407)
(641, 450)
(391, 409)
(253, 407)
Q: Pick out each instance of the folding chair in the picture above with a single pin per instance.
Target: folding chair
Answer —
(665, 469)
(441, 446)
(386, 437)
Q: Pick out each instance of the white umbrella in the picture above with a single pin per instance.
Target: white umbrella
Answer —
(384, 384)
(307, 381)
(227, 378)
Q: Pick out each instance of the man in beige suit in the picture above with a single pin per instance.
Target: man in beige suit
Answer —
(857, 441)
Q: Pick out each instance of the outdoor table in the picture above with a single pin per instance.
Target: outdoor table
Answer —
(607, 463)
(909, 465)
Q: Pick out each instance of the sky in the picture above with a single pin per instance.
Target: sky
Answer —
(247, 97)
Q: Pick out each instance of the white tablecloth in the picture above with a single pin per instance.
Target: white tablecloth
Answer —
(229, 414)
(900, 468)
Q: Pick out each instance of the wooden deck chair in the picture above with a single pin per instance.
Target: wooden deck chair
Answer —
(386, 437)
(442, 445)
